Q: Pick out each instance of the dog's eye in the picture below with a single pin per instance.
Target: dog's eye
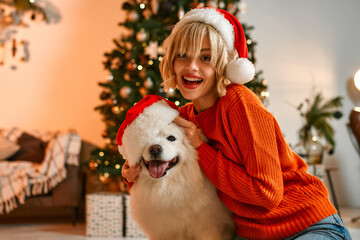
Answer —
(171, 138)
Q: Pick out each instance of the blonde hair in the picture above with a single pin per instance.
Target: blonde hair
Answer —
(188, 39)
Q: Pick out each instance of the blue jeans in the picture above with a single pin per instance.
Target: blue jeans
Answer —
(331, 227)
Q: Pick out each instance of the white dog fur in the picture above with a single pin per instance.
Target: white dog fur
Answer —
(182, 204)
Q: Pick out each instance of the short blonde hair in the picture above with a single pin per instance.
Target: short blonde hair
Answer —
(188, 39)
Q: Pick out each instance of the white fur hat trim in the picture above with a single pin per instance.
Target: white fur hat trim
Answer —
(143, 129)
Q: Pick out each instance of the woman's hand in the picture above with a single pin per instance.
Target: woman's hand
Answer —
(191, 131)
(130, 173)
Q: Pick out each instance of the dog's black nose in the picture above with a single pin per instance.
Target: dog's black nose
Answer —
(155, 150)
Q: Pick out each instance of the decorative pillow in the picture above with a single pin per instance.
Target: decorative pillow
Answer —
(32, 149)
(7, 148)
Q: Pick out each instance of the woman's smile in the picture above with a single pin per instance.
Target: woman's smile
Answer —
(191, 81)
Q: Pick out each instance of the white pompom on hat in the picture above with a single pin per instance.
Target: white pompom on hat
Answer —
(239, 70)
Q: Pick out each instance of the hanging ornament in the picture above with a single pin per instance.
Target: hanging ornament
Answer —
(231, 8)
(127, 55)
(127, 76)
(181, 12)
(133, 16)
(194, 4)
(131, 66)
(152, 50)
(104, 178)
(221, 4)
(115, 109)
(142, 73)
(143, 91)
(154, 4)
(171, 92)
(93, 165)
(109, 77)
(148, 83)
(125, 92)
(211, 3)
(147, 13)
(142, 36)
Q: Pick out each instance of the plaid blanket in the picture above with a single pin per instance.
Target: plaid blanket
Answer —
(19, 179)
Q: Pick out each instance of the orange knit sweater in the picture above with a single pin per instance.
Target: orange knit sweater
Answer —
(258, 177)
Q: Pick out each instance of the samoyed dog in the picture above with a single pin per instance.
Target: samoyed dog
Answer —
(172, 199)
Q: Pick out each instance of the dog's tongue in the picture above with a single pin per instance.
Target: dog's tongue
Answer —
(157, 168)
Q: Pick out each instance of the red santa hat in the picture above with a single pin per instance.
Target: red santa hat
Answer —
(142, 122)
(239, 70)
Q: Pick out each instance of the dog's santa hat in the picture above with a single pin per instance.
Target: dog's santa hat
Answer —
(239, 70)
(142, 122)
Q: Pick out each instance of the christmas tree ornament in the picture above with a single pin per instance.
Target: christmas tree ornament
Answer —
(142, 73)
(142, 35)
(115, 109)
(127, 56)
(125, 92)
(133, 16)
(93, 165)
(130, 66)
(231, 8)
(154, 4)
(152, 50)
(142, 5)
(221, 4)
(239, 70)
(148, 83)
(143, 91)
(109, 77)
(127, 76)
(171, 93)
(104, 178)
(147, 13)
(211, 3)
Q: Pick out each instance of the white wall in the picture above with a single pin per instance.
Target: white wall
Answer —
(307, 43)
(300, 44)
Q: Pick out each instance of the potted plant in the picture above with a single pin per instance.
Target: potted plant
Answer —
(316, 114)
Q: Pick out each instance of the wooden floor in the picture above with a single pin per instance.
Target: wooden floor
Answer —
(61, 231)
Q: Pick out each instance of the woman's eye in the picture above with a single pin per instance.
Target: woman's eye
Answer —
(171, 138)
(206, 58)
(181, 55)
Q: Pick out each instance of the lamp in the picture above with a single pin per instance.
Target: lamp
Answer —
(357, 80)
(354, 124)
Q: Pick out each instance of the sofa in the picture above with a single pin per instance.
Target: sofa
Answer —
(64, 202)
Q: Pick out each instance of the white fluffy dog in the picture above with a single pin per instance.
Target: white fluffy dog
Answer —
(172, 199)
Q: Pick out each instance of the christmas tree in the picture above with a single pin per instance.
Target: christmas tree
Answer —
(133, 67)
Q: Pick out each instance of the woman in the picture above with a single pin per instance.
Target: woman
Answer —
(258, 177)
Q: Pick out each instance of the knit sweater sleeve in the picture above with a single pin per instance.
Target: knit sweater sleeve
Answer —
(256, 178)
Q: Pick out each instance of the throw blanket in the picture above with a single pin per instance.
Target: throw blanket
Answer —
(19, 179)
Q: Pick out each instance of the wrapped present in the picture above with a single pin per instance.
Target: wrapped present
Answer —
(104, 215)
(132, 229)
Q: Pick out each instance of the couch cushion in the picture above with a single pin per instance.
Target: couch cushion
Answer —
(7, 148)
(32, 149)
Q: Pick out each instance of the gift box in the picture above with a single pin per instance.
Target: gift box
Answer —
(132, 229)
(104, 215)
